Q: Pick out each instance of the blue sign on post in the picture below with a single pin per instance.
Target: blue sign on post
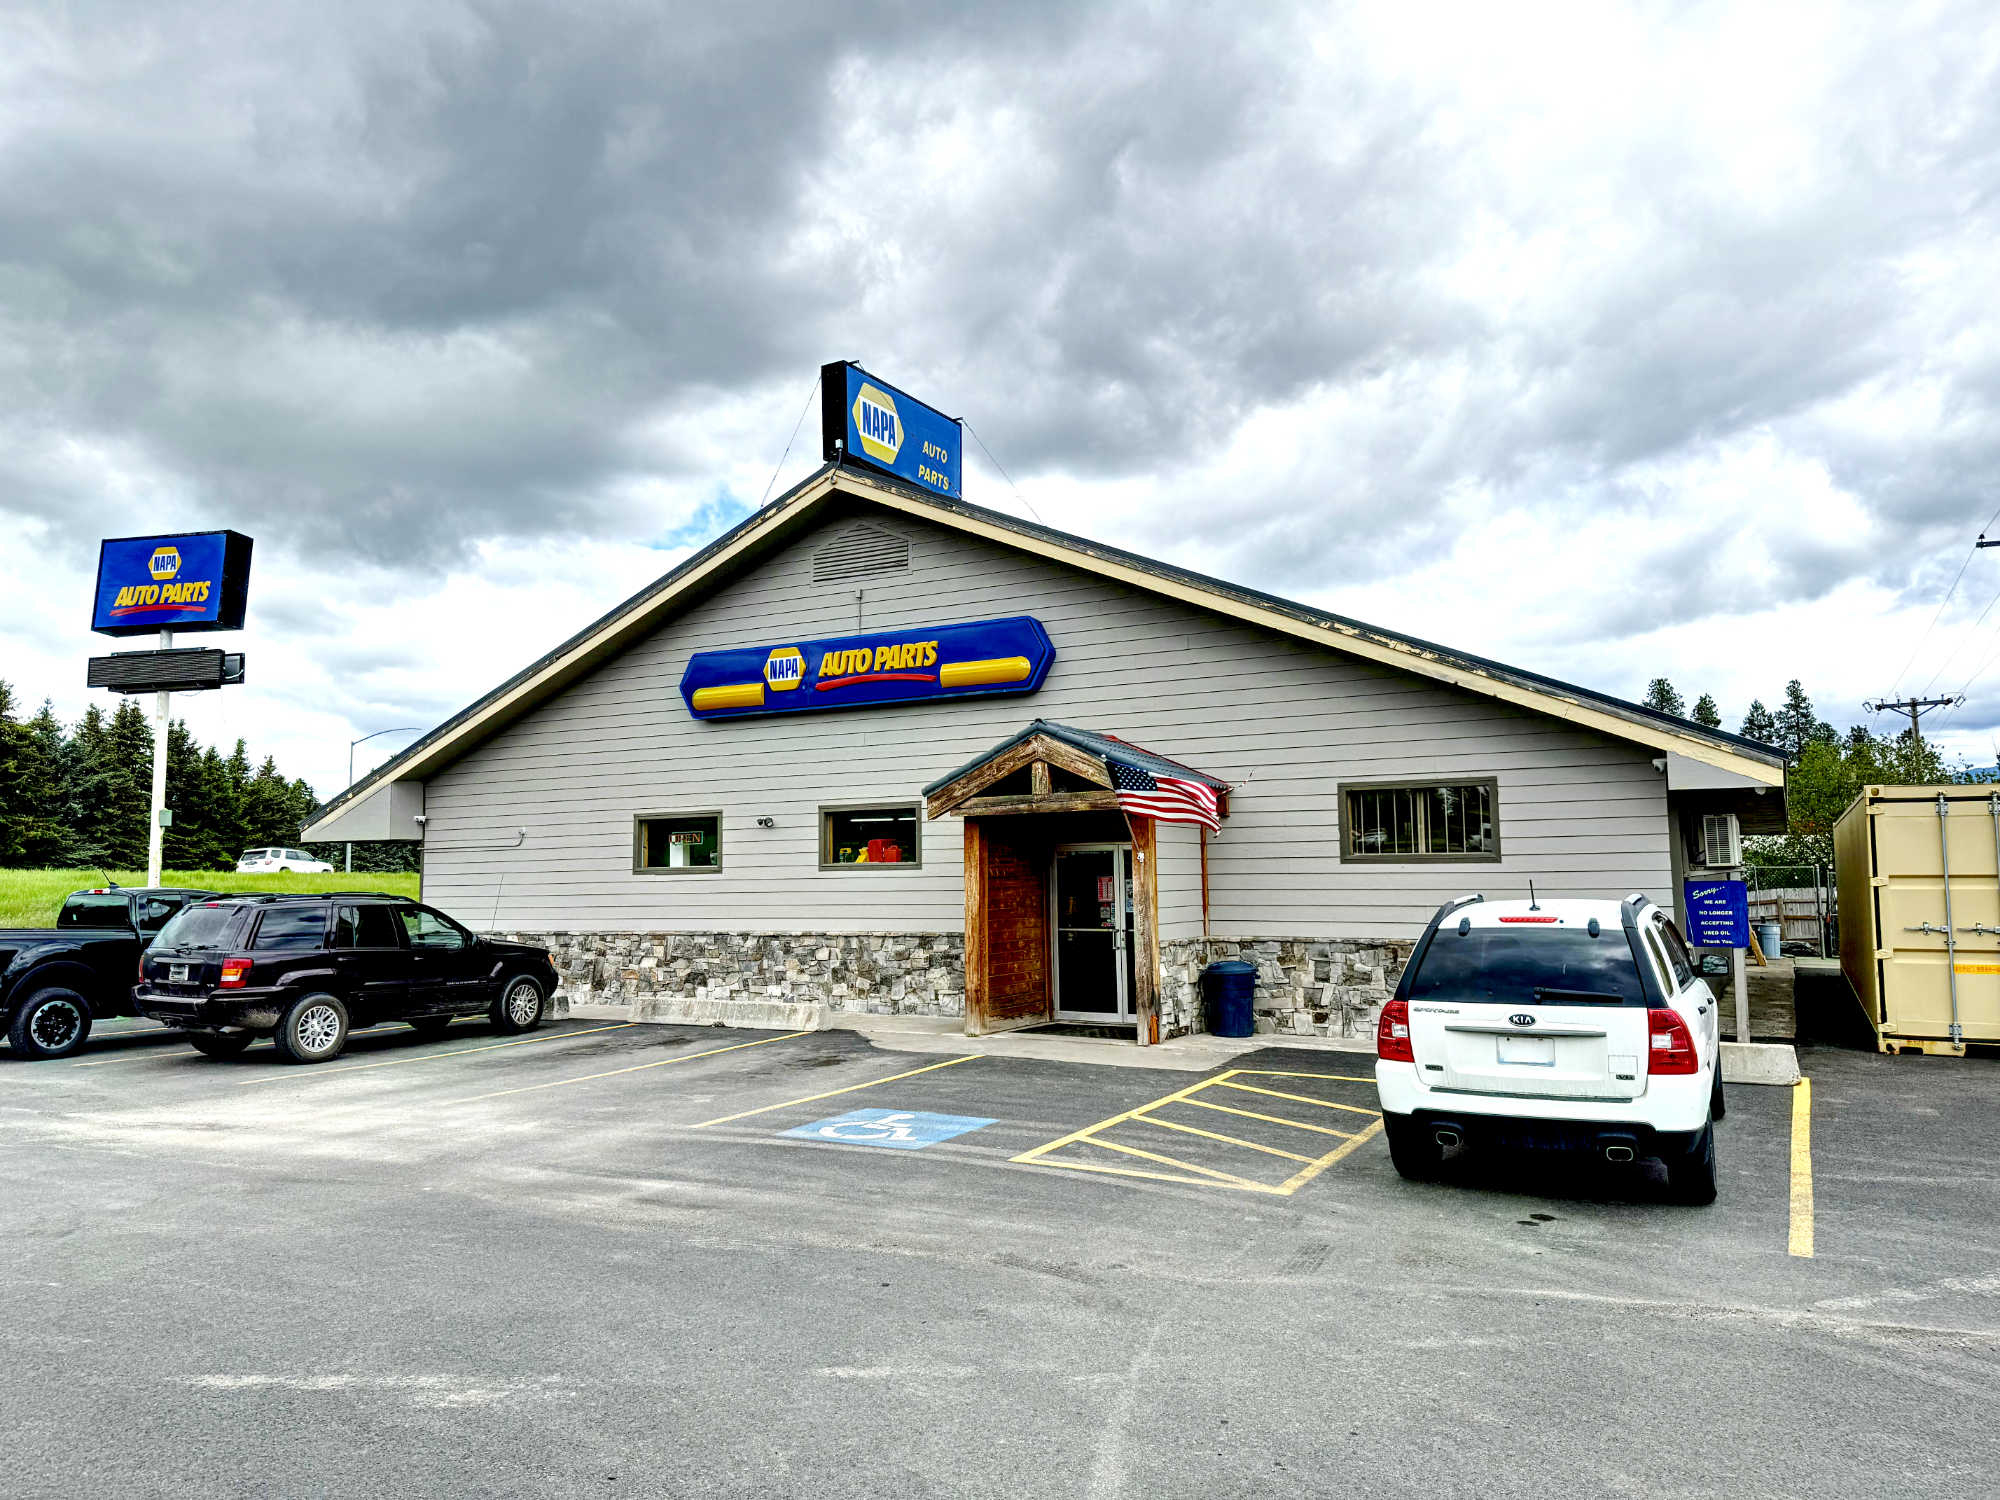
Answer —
(983, 658)
(898, 1129)
(194, 580)
(1718, 913)
(889, 429)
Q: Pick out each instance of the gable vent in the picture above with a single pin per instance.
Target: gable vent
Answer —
(861, 552)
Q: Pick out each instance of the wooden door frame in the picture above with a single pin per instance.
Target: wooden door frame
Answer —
(978, 949)
(1146, 941)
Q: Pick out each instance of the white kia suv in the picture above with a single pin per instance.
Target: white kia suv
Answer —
(1576, 1026)
(277, 861)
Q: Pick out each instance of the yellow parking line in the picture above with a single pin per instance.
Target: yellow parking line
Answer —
(1292, 1184)
(1168, 1161)
(1251, 1114)
(397, 1062)
(153, 1056)
(1231, 1140)
(851, 1088)
(1094, 1135)
(1295, 1098)
(1802, 1184)
(1274, 1073)
(637, 1068)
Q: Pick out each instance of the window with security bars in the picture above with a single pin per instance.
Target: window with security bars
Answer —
(1450, 822)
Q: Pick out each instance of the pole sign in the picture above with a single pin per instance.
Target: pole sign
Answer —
(880, 427)
(1718, 913)
(190, 580)
(985, 658)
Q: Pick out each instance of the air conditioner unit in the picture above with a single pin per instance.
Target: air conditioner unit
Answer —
(1721, 841)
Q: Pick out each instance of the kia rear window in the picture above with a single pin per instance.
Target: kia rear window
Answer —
(292, 927)
(204, 926)
(1535, 966)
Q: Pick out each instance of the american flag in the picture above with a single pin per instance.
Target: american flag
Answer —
(1168, 799)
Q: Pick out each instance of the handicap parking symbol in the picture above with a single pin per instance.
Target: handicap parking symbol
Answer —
(898, 1129)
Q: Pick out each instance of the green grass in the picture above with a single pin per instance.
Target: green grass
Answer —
(31, 898)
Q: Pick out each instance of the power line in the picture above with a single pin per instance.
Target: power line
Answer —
(1947, 600)
(788, 444)
(1003, 473)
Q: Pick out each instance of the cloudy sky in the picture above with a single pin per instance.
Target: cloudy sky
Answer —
(1609, 340)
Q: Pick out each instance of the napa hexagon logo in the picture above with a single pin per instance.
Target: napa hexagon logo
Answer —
(785, 669)
(877, 425)
(164, 563)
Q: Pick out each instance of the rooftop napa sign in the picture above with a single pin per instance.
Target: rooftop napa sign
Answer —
(191, 580)
(868, 420)
(981, 659)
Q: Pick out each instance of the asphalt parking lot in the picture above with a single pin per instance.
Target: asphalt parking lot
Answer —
(608, 1259)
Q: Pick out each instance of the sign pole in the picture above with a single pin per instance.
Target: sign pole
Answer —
(155, 834)
(1742, 994)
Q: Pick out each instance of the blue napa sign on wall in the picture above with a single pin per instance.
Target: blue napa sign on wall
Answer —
(190, 580)
(890, 430)
(985, 658)
(1718, 913)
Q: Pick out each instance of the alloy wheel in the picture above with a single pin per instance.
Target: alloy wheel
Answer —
(318, 1028)
(523, 1001)
(55, 1025)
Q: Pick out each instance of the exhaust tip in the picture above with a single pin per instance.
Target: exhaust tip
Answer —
(1449, 1138)
(1617, 1153)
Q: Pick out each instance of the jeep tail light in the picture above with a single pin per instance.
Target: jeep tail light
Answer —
(1392, 1033)
(1672, 1049)
(235, 971)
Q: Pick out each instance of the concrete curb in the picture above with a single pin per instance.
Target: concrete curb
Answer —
(1774, 1063)
(748, 1015)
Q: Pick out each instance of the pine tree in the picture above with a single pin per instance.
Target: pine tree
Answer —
(1759, 725)
(1796, 724)
(1662, 697)
(50, 843)
(1705, 712)
(121, 834)
(31, 824)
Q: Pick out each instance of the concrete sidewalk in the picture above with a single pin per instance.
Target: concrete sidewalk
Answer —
(1186, 1054)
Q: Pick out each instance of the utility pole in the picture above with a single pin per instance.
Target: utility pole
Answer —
(1914, 708)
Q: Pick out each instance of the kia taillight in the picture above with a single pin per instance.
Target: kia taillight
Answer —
(1392, 1033)
(1672, 1049)
(235, 972)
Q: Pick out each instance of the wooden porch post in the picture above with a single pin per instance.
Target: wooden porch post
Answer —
(975, 927)
(1146, 936)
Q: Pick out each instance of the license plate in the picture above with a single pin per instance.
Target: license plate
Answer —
(1528, 1051)
(177, 973)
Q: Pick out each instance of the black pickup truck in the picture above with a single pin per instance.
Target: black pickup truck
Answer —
(54, 981)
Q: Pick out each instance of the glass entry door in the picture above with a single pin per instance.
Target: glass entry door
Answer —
(1091, 928)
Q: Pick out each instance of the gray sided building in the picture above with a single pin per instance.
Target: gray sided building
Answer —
(969, 855)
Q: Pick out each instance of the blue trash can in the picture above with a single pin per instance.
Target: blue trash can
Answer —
(1230, 988)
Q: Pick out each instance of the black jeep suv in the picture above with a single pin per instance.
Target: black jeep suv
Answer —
(302, 969)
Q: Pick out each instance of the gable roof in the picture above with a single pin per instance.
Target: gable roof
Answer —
(1104, 747)
(744, 545)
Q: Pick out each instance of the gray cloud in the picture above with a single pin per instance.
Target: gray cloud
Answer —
(385, 282)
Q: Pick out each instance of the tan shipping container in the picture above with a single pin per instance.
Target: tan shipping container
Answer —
(1918, 869)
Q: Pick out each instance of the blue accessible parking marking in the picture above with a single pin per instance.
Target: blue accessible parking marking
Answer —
(898, 1129)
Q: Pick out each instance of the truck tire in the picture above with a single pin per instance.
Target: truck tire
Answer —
(1691, 1177)
(50, 1023)
(1716, 1107)
(219, 1043)
(519, 1007)
(313, 1029)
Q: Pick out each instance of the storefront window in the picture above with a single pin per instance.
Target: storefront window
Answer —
(691, 843)
(1420, 822)
(867, 837)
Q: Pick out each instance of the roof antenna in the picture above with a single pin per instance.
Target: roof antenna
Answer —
(1531, 897)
